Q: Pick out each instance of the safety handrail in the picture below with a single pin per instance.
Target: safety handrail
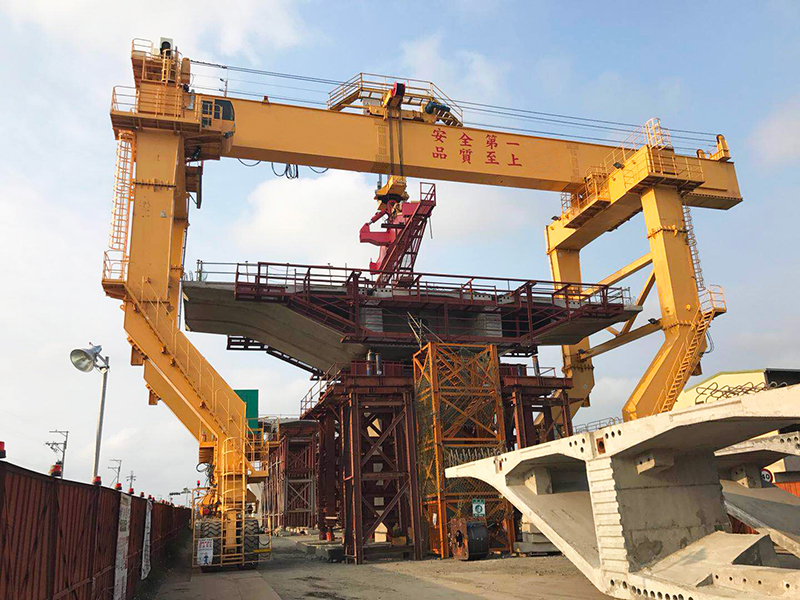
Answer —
(655, 138)
(373, 86)
(519, 370)
(296, 278)
(356, 368)
(596, 424)
(124, 98)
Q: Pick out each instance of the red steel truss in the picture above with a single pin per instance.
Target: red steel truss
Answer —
(365, 396)
(240, 342)
(329, 485)
(513, 314)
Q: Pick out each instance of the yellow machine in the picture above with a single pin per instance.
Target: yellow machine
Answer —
(410, 129)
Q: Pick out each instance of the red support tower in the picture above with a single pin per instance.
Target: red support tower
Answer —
(329, 508)
(376, 460)
(290, 489)
(534, 403)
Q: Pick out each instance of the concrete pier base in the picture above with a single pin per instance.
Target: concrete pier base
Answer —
(639, 507)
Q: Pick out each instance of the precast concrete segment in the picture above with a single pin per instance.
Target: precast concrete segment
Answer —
(761, 450)
(210, 307)
(761, 506)
(638, 507)
(769, 510)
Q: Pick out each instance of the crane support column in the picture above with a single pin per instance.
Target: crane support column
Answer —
(162, 388)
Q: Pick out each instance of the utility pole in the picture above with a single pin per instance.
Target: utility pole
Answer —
(130, 479)
(116, 469)
(59, 447)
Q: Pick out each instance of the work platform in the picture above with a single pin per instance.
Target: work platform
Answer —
(307, 312)
(641, 507)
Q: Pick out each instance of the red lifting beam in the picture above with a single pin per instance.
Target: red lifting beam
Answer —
(399, 244)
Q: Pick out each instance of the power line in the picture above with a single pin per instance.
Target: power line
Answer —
(255, 95)
(556, 134)
(269, 73)
(276, 85)
(546, 114)
(632, 129)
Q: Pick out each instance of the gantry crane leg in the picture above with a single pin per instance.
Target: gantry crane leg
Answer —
(159, 217)
(684, 314)
(677, 295)
(174, 370)
(565, 265)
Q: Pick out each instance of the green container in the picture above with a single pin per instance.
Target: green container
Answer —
(250, 399)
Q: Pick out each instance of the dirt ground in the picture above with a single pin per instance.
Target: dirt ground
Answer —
(292, 574)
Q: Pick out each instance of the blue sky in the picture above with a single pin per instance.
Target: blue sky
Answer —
(697, 66)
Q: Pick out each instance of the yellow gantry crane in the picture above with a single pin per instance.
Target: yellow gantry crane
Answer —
(165, 131)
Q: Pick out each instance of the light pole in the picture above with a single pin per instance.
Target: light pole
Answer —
(87, 360)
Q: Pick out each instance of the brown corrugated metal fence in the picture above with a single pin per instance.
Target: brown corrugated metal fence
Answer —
(58, 538)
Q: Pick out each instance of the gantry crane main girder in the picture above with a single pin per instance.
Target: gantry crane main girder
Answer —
(171, 130)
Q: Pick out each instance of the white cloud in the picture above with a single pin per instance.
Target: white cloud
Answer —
(777, 137)
(309, 220)
(121, 438)
(459, 73)
(467, 212)
(100, 28)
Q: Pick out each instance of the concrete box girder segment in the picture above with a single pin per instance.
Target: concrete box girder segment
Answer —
(211, 308)
(638, 507)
